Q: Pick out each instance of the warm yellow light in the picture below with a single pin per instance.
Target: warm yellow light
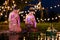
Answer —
(6, 2)
(2, 7)
(28, 10)
(25, 1)
(14, 5)
(1, 14)
(35, 6)
(59, 16)
(19, 12)
(13, 1)
(35, 10)
(4, 10)
(48, 19)
(23, 19)
(8, 7)
(5, 21)
(5, 15)
(52, 18)
(43, 8)
(5, 7)
(45, 19)
(21, 15)
(41, 19)
(56, 18)
(37, 18)
(26, 14)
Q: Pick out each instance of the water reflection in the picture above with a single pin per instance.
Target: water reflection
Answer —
(13, 37)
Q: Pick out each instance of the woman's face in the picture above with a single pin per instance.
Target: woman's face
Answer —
(16, 11)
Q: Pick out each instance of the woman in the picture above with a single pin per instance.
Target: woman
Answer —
(30, 21)
(14, 21)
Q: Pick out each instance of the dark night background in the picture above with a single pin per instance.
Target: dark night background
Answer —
(45, 3)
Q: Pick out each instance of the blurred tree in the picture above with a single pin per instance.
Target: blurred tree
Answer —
(1, 2)
(22, 3)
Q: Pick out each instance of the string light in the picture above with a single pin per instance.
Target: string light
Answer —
(59, 16)
(1, 14)
(22, 15)
(6, 2)
(6, 22)
(56, 18)
(52, 18)
(50, 7)
(35, 10)
(13, 1)
(14, 5)
(24, 20)
(55, 6)
(41, 19)
(4, 10)
(45, 19)
(35, 6)
(58, 5)
(8, 7)
(5, 15)
(3, 3)
(25, 1)
(26, 14)
(2, 7)
(21, 12)
(48, 19)
(28, 10)
(38, 20)
(5, 7)
(43, 8)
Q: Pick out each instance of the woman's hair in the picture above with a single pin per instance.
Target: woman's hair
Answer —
(15, 8)
(31, 9)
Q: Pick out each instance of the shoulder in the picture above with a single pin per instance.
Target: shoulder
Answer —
(11, 13)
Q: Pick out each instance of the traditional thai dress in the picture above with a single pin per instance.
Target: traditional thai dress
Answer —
(30, 21)
(14, 22)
